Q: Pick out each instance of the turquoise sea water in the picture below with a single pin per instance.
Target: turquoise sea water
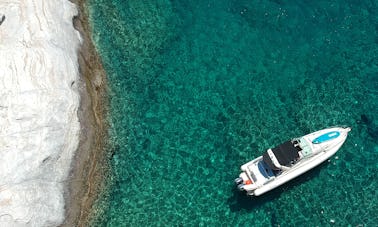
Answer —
(198, 88)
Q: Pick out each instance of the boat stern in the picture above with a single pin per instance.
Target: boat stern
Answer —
(245, 184)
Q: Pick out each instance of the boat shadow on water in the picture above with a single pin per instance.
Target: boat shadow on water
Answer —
(240, 201)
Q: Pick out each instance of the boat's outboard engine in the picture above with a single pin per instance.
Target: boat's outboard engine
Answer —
(241, 187)
(240, 183)
(238, 180)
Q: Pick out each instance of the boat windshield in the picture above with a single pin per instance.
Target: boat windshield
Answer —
(306, 148)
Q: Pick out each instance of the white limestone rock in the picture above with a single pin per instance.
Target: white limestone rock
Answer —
(39, 127)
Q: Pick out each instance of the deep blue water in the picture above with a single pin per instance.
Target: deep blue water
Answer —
(198, 88)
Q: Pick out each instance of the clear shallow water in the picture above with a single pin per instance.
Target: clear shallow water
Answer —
(200, 88)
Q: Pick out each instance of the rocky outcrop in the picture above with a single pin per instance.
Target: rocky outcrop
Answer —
(39, 101)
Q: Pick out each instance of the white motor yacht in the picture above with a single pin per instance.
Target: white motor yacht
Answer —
(290, 159)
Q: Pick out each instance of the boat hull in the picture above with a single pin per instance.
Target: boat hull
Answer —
(312, 163)
(322, 152)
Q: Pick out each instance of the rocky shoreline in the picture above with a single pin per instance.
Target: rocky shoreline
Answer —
(89, 166)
